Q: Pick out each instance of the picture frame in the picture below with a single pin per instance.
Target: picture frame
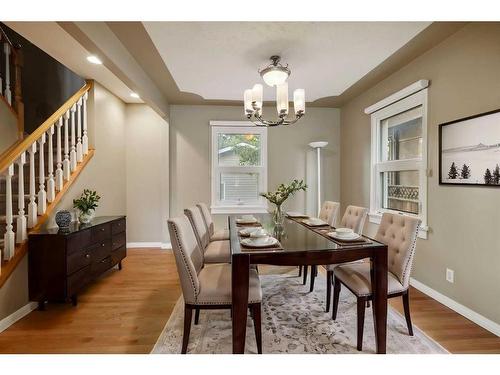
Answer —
(469, 150)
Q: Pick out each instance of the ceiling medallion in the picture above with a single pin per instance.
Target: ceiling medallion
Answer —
(274, 75)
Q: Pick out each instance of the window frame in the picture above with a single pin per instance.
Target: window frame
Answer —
(236, 127)
(412, 96)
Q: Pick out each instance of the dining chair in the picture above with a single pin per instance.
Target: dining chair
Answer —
(399, 233)
(213, 251)
(328, 213)
(214, 235)
(207, 286)
(354, 218)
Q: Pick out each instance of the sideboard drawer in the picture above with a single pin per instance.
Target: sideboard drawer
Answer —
(77, 260)
(118, 255)
(100, 250)
(118, 226)
(118, 240)
(78, 241)
(101, 266)
(101, 232)
(78, 280)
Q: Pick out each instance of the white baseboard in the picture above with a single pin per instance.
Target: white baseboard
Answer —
(161, 245)
(457, 307)
(15, 316)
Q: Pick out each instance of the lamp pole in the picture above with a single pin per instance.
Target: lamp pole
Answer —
(318, 146)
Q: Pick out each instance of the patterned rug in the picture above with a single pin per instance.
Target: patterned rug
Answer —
(294, 321)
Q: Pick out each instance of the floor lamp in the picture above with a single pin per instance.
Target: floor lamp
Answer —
(318, 146)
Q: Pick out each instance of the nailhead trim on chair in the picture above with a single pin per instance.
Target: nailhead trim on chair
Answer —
(409, 263)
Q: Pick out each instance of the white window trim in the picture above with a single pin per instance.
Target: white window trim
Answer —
(227, 126)
(405, 99)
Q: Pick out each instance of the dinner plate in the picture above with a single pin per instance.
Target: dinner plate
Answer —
(345, 237)
(296, 214)
(250, 242)
(246, 221)
(318, 223)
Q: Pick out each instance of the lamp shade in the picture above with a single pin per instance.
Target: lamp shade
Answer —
(282, 99)
(275, 77)
(299, 101)
(247, 99)
(257, 95)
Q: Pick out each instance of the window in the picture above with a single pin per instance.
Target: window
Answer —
(399, 155)
(239, 167)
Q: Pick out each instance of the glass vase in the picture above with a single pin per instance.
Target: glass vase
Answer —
(278, 216)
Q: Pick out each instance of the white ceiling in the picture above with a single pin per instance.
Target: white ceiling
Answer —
(218, 60)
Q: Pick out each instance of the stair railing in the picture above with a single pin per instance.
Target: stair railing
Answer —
(10, 78)
(44, 188)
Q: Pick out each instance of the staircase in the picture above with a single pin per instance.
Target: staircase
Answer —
(36, 172)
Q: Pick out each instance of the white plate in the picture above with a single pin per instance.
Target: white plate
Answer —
(248, 230)
(296, 214)
(246, 221)
(315, 223)
(345, 237)
(250, 242)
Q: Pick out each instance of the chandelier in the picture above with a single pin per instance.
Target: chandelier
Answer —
(274, 75)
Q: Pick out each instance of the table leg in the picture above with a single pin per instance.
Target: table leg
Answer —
(239, 289)
(379, 306)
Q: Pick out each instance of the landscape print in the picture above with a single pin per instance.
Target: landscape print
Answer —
(470, 151)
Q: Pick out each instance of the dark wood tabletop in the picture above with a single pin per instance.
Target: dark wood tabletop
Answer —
(303, 245)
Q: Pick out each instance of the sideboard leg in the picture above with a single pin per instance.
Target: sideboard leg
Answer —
(41, 305)
(74, 300)
(120, 265)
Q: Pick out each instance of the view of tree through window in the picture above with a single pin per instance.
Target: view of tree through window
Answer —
(239, 149)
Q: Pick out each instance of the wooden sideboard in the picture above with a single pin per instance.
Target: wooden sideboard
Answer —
(62, 263)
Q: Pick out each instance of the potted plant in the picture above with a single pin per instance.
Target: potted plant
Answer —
(86, 205)
(279, 196)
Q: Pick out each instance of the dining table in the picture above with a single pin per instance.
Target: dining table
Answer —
(302, 245)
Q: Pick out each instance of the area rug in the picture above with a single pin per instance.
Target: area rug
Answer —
(294, 321)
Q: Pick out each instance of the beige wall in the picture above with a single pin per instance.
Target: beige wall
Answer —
(8, 127)
(464, 221)
(289, 155)
(147, 175)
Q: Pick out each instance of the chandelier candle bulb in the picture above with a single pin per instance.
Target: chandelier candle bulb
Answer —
(299, 101)
(257, 95)
(282, 99)
(247, 97)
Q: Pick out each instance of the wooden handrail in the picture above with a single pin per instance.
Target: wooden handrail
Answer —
(14, 154)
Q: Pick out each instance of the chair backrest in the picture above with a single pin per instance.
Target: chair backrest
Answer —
(209, 223)
(188, 256)
(354, 218)
(329, 212)
(399, 233)
(200, 229)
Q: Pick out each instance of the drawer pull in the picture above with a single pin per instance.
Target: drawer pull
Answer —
(102, 229)
(104, 261)
(114, 244)
(87, 256)
(102, 245)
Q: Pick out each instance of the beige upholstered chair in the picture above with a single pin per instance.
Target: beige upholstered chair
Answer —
(213, 251)
(219, 235)
(329, 212)
(399, 233)
(207, 286)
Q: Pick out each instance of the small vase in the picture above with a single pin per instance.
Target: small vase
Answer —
(63, 219)
(278, 216)
(86, 217)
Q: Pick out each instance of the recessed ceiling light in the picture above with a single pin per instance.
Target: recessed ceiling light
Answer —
(94, 60)
(134, 95)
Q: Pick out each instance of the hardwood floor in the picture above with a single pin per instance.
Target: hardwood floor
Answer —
(126, 311)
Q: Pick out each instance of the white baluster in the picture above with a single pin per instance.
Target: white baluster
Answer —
(21, 230)
(59, 171)
(32, 206)
(7, 92)
(51, 186)
(42, 195)
(9, 237)
(79, 148)
(72, 152)
(66, 162)
(85, 138)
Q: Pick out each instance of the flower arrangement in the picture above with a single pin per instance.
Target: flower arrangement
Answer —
(281, 194)
(86, 204)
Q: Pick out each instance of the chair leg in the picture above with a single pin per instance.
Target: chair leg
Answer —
(188, 316)
(305, 275)
(361, 321)
(257, 325)
(329, 276)
(300, 271)
(406, 305)
(368, 304)
(314, 272)
(336, 294)
(196, 316)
